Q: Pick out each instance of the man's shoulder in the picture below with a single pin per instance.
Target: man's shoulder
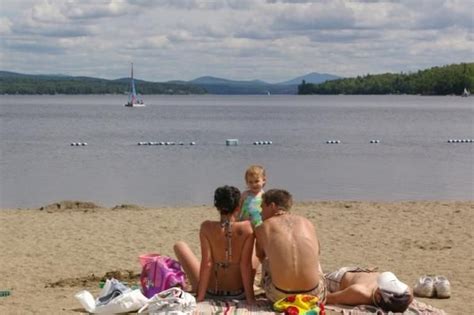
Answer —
(304, 221)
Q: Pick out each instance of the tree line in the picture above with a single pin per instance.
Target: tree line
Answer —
(28, 84)
(445, 80)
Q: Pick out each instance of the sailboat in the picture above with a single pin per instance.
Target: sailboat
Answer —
(465, 93)
(133, 99)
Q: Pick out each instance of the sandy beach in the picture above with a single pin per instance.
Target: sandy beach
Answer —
(48, 255)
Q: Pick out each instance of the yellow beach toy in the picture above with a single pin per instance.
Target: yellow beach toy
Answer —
(299, 304)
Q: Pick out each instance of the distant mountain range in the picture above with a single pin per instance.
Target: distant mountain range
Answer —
(224, 86)
(17, 83)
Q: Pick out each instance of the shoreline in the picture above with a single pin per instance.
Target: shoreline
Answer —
(51, 254)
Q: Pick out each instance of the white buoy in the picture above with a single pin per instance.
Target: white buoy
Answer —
(232, 142)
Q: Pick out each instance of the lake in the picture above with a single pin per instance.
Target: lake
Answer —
(413, 160)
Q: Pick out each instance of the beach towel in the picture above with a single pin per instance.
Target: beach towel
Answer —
(264, 307)
(160, 273)
(415, 308)
(172, 301)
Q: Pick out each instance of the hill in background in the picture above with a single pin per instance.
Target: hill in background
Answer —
(224, 86)
(17, 83)
(312, 77)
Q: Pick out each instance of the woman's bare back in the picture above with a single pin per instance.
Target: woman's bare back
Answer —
(226, 271)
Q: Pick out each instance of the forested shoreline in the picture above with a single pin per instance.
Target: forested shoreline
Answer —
(13, 83)
(445, 80)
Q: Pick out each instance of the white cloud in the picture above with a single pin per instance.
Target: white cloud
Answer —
(273, 40)
(77, 9)
(5, 26)
(311, 16)
(47, 12)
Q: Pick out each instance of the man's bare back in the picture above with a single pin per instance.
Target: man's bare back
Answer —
(291, 247)
(288, 247)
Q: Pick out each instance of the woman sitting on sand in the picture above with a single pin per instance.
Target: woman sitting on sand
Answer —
(225, 271)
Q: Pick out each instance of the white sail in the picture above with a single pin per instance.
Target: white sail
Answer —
(133, 99)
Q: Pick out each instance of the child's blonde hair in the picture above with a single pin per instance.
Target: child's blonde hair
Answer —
(255, 171)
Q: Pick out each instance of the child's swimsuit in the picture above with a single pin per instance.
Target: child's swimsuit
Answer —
(252, 210)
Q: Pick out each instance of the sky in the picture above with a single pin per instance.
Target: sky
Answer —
(270, 40)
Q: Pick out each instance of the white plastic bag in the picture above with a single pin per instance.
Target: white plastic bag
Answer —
(173, 301)
(128, 301)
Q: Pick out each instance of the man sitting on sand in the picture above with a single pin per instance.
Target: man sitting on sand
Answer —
(288, 248)
(356, 286)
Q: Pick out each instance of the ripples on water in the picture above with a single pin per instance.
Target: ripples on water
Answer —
(412, 161)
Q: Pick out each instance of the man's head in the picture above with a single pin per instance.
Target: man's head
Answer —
(392, 294)
(275, 200)
(226, 199)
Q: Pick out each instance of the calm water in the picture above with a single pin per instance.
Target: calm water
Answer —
(413, 161)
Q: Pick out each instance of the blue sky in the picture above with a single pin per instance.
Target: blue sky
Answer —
(272, 40)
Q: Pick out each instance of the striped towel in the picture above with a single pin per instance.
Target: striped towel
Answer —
(415, 308)
(265, 307)
(233, 307)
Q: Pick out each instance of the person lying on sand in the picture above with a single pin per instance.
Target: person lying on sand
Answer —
(225, 271)
(288, 248)
(356, 286)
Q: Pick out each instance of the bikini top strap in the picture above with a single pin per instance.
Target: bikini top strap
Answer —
(227, 225)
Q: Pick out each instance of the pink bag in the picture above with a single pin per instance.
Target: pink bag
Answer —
(159, 273)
